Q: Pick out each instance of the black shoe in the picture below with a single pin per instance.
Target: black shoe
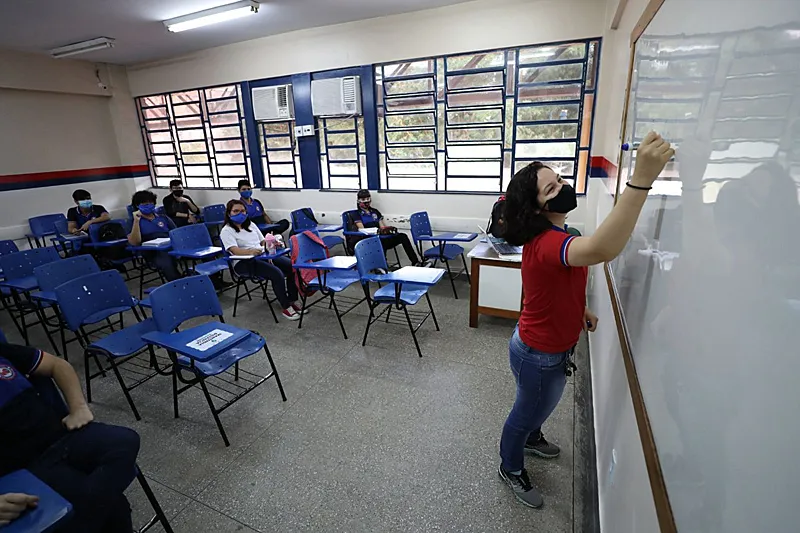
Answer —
(521, 485)
(542, 448)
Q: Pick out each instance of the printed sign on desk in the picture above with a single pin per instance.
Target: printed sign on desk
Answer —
(209, 340)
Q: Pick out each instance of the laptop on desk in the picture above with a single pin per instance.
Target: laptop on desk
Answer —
(501, 248)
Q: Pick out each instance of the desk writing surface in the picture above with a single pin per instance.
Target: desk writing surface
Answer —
(485, 251)
(336, 262)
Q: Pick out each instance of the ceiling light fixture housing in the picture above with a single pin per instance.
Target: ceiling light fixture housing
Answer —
(212, 16)
(83, 47)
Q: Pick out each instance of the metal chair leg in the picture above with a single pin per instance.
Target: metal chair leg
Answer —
(413, 333)
(450, 275)
(338, 316)
(236, 298)
(275, 371)
(159, 517)
(430, 306)
(214, 413)
(369, 323)
(175, 371)
(125, 390)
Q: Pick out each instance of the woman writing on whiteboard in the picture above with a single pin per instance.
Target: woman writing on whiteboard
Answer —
(554, 311)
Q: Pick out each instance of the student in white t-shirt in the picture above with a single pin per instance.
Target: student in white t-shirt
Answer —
(240, 236)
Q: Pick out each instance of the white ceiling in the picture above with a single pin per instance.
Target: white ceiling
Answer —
(39, 25)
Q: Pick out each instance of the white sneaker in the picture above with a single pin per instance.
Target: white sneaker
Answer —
(290, 314)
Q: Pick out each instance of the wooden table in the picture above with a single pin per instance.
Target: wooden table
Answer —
(496, 284)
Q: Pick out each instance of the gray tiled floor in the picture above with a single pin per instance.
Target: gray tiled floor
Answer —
(371, 439)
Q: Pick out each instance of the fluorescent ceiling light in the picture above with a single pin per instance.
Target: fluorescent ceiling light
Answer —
(212, 16)
(92, 45)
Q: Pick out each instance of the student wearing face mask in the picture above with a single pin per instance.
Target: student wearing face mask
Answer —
(180, 207)
(255, 209)
(369, 217)
(148, 226)
(85, 213)
(554, 311)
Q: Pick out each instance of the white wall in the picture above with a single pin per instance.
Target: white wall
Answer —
(55, 117)
(626, 502)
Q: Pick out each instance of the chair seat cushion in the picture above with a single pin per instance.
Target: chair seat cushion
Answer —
(337, 281)
(450, 252)
(211, 267)
(127, 341)
(410, 293)
(227, 358)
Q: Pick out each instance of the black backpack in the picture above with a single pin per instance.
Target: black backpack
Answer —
(496, 226)
(111, 231)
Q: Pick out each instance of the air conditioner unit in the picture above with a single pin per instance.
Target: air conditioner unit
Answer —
(336, 96)
(273, 103)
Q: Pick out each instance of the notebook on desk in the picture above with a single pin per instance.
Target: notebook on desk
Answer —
(501, 248)
(156, 242)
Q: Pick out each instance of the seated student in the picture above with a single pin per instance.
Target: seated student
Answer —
(148, 226)
(241, 236)
(256, 211)
(85, 213)
(88, 463)
(369, 217)
(180, 207)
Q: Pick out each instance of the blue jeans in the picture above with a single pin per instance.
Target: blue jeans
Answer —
(540, 383)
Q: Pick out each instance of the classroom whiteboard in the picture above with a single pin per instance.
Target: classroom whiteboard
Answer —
(709, 284)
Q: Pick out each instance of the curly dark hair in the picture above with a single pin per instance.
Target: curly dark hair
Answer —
(143, 197)
(229, 222)
(522, 218)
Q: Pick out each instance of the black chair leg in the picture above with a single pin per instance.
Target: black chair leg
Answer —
(236, 298)
(413, 333)
(303, 299)
(87, 374)
(125, 390)
(430, 306)
(450, 275)
(275, 371)
(214, 413)
(369, 323)
(338, 316)
(159, 517)
(175, 371)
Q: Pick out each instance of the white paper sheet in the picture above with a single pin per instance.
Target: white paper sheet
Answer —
(209, 340)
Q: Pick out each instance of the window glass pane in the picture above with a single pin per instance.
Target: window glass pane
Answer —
(185, 96)
(148, 101)
(348, 169)
(274, 128)
(160, 137)
(157, 125)
(412, 68)
(220, 133)
(419, 85)
(547, 131)
(411, 169)
(548, 93)
(235, 157)
(279, 142)
(474, 168)
(559, 52)
(188, 122)
(156, 112)
(195, 147)
(164, 160)
(341, 139)
(471, 81)
(281, 156)
(410, 136)
(222, 92)
(551, 73)
(232, 170)
(191, 135)
(223, 105)
(343, 154)
(475, 99)
(410, 120)
(535, 150)
(281, 170)
(167, 171)
(474, 151)
(548, 112)
(338, 124)
(225, 118)
(410, 103)
(230, 144)
(411, 152)
(474, 134)
(197, 170)
(484, 116)
(163, 148)
(192, 159)
(477, 60)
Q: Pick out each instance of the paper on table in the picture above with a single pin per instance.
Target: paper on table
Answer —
(242, 256)
(369, 231)
(463, 235)
(156, 242)
(209, 340)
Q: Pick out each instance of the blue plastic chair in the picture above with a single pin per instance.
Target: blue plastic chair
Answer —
(241, 283)
(329, 284)
(194, 297)
(7, 247)
(42, 227)
(193, 244)
(369, 254)
(349, 219)
(51, 275)
(68, 246)
(302, 222)
(49, 515)
(18, 269)
(95, 298)
(421, 226)
(214, 217)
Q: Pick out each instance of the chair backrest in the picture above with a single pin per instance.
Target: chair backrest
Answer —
(45, 224)
(176, 302)
(190, 237)
(349, 219)
(301, 221)
(51, 275)
(94, 229)
(82, 297)
(22, 264)
(130, 210)
(370, 256)
(61, 227)
(160, 211)
(214, 213)
(420, 225)
(8, 247)
(308, 250)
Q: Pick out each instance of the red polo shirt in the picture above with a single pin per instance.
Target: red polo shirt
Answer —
(555, 293)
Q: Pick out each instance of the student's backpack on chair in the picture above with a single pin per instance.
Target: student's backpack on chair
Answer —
(496, 226)
(111, 231)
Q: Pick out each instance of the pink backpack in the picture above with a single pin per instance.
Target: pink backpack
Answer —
(307, 274)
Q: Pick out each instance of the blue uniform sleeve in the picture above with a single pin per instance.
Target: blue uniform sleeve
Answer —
(24, 358)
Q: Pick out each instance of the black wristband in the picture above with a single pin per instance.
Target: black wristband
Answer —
(638, 188)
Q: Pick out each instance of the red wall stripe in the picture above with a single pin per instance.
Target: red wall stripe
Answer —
(67, 175)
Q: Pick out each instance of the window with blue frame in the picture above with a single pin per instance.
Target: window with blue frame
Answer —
(467, 122)
(197, 136)
(279, 155)
(342, 153)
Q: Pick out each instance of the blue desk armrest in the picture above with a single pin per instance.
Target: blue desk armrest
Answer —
(51, 511)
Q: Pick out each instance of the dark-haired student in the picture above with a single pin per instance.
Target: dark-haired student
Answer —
(241, 236)
(255, 209)
(554, 311)
(85, 213)
(147, 225)
(179, 206)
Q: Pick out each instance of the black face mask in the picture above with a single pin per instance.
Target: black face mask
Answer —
(564, 202)
(178, 193)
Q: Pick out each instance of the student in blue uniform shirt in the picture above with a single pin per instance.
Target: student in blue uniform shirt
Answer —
(255, 209)
(369, 217)
(148, 226)
(85, 213)
(88, 463)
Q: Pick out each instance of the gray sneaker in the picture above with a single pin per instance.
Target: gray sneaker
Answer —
(542, 448)
(521, 485)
